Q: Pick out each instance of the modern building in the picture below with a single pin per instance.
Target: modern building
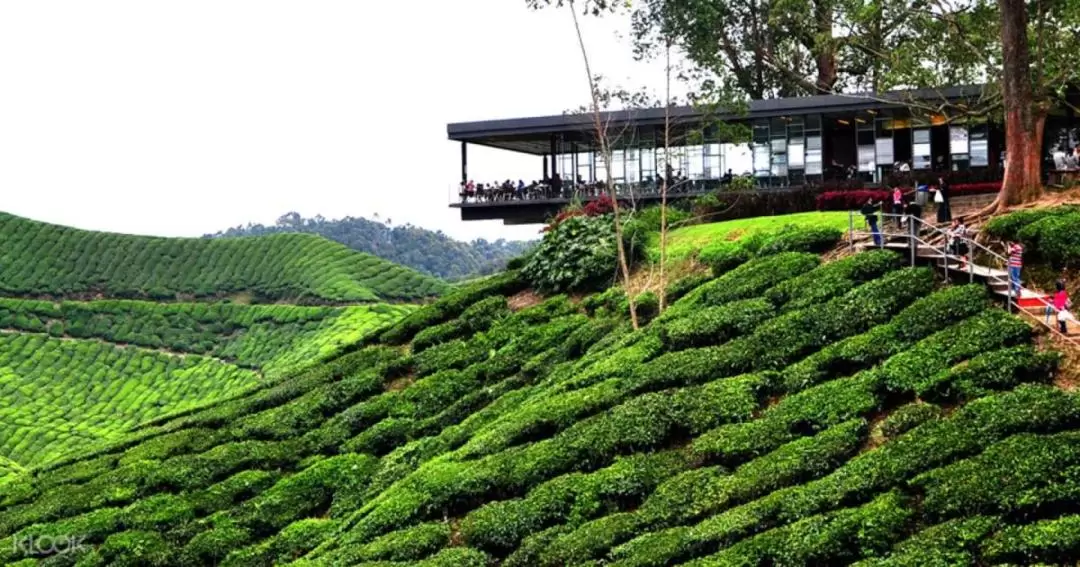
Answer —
(794, 142)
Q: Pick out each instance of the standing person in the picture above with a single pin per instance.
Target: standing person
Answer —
(1061, 306)
(941, 197)
(958, 246)
(897, 205)
(869, 211)
(1016, 264)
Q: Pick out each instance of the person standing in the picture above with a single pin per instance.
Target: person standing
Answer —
(898, 206)
(941, 197)
(869, 211)
(1061, 306)
(1016, 264)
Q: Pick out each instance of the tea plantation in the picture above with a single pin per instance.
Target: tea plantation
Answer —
(75, 373)
(45, 260)
(786, 412)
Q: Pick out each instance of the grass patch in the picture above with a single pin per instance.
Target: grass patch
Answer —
(686, 241)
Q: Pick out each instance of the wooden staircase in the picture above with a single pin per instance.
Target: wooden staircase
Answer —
(1031, 302)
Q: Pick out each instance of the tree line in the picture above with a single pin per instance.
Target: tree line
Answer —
(431, 252)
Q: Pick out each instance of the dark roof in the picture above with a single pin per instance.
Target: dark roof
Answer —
(532, 135)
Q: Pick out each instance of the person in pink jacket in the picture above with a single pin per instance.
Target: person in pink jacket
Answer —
(1061, 306)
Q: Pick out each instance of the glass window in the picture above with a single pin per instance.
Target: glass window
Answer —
(648, 164)
(920, 152)
(618, 166)
(980, 150)
(712, 161)
(565, 166)
(695, 156)
(761, 160)
(633, 162)
(813, 155)
(883, 141)
(958, 140)
(584, 167)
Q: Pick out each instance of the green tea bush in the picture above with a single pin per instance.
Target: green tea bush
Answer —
(54, 260)
(722, 257)
(744, 282)
(955, 542)
(1054, 541)
(578, 255)
(698, 493)
(451, 305)
(501, 526)
(907, 417)
(1008, 226)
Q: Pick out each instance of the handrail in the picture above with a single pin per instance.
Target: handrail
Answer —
(946, 256)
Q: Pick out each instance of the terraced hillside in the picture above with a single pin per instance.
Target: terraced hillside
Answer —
(783, 413)
(275, 339)
(45, 260)
(75, 373)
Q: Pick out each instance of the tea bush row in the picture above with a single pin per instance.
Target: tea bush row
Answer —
(45, 259)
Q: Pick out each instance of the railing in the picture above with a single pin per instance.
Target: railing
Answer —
(545, 192)
(913, 236)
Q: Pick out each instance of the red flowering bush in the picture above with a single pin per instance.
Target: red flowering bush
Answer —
(848, 200)
(603, 205)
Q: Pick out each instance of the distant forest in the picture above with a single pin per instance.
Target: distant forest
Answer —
(429, 251)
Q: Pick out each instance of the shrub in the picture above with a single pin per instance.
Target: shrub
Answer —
(1024, 472)
(1008, 226)
(701, 492)
(682, 286)
(723, 257)
(744, 282)
(578, 255)
(954, 542)
(136, 548)
(907, 417)
(451, 305)
(500, 526)
(715, 325)
(1054, 541)
(1053, 239)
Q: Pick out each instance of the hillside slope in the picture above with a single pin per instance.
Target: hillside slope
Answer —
(73, 374)
(785, 413)
(45, 260)
(427, 251)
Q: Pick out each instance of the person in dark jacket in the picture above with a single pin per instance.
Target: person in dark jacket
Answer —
(944, 213)
(870, 212)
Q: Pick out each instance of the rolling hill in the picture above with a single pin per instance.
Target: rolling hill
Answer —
(428, 251)
(786, 412)
(46, 260)
(73, 374)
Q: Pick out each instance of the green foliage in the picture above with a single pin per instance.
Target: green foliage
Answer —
(1049, 235)
(907, 417)
(726, 255)
(767, 418)
(44, 259)
(427, 251)
(63, 396)
(275, 338)
(578, 255)
(451, 305)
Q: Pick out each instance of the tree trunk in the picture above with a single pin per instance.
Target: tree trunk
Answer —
(825, 59)
(1024, 120)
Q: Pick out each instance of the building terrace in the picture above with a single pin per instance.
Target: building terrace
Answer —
(793, 143)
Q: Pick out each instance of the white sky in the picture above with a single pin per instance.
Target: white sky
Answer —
(182, 118)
